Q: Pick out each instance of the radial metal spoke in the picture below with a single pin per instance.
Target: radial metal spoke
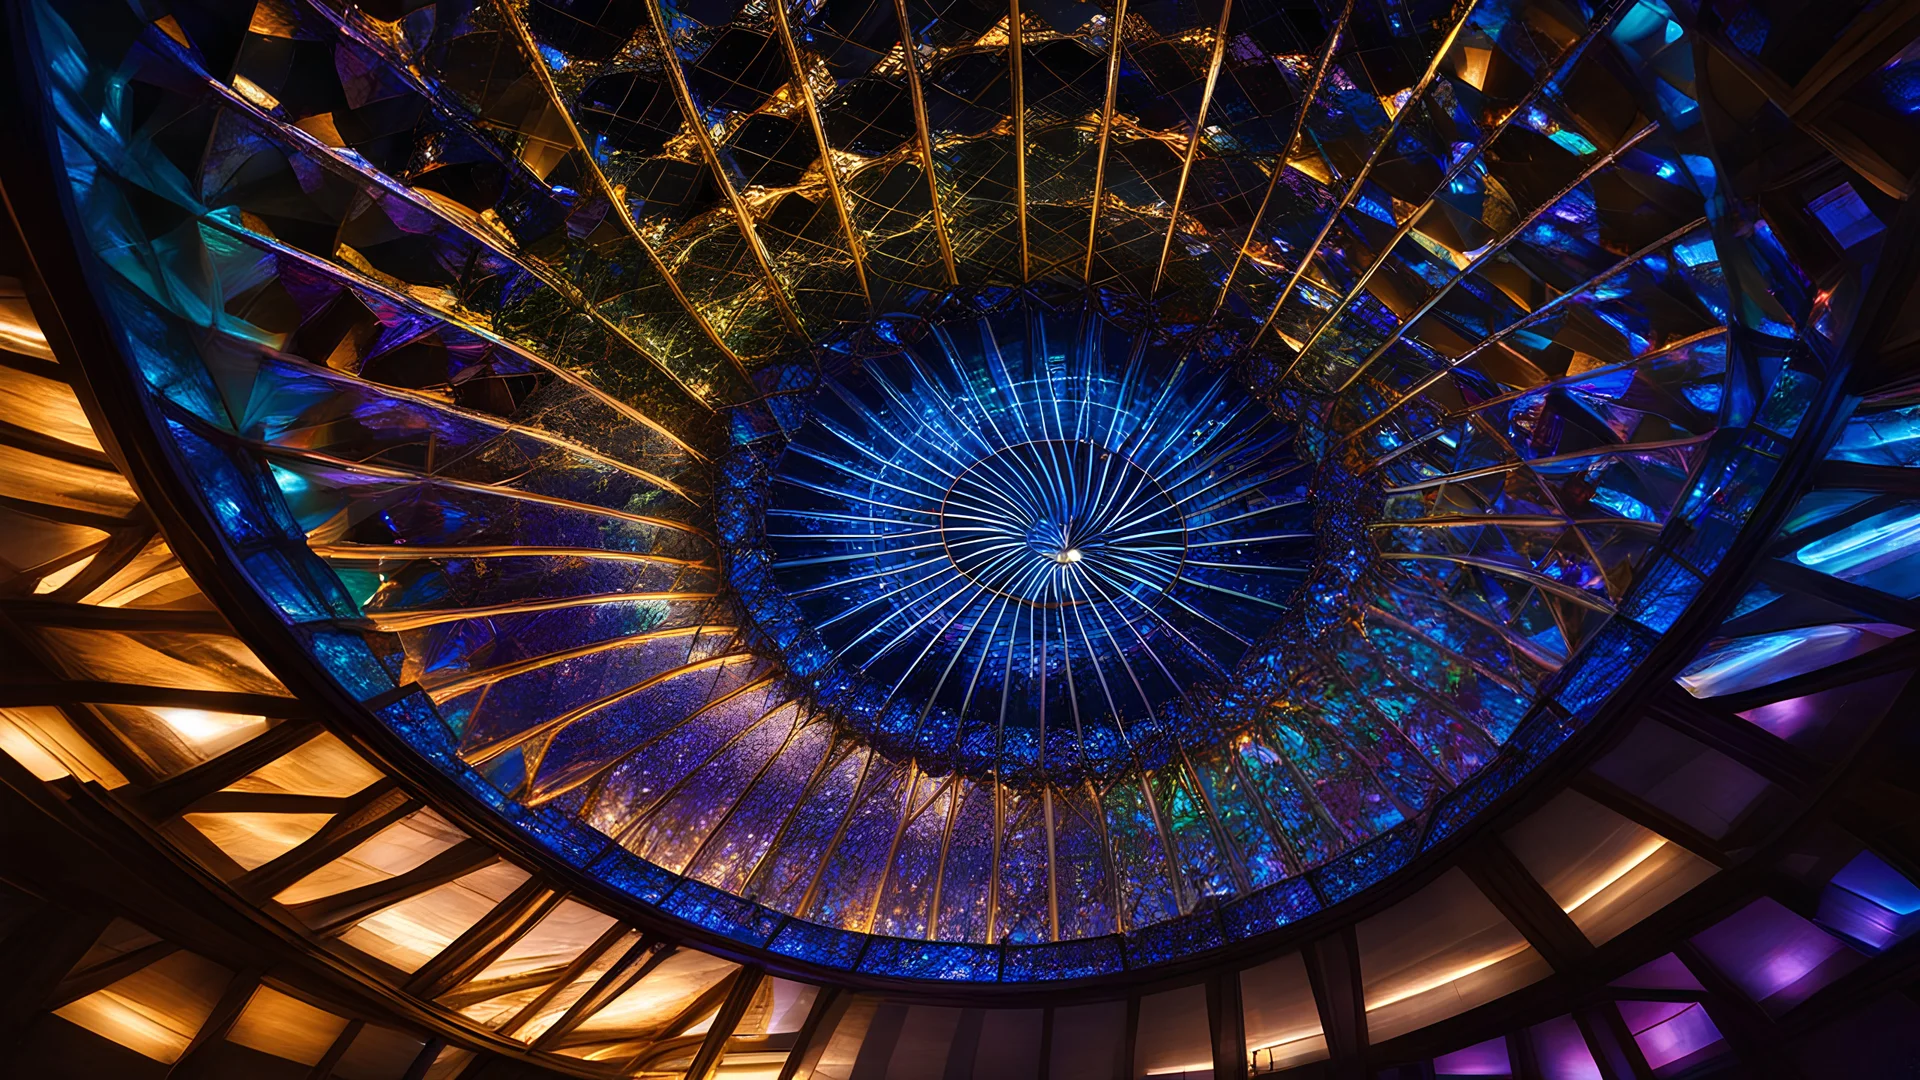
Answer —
(696, 126)
(489, 751)
(1116, 35)
(924, 137)
(829, 169)
(498, 491)
(1280, 162)
(1415, 94)
(1016, 34)
(1050, 592)
(537, 64)
(1217, 56)
(537, 795)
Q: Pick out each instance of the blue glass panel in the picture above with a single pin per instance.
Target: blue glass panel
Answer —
(1881, 552)
(818, 944)
(1270, 909)
(1846, 216)
(1615, 651)
(1367, 864)
(724, 913)
(931, 960)
(1063, 960)
(1730, 666)
(1176, 937)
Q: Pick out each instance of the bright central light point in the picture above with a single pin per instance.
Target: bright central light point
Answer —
(993, 544)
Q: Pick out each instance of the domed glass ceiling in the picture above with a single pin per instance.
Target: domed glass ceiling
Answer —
(1020, 542)
(960, 491)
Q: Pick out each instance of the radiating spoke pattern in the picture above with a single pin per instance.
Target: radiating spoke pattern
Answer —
(1028, 533)
(862, 475)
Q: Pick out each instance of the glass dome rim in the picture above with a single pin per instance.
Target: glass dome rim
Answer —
(310, 660)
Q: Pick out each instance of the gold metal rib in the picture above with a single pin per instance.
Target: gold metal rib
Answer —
(530, 52)
(829, 759)
(840, 829)
(1163, 833)
(1400, 329)
(1416, 92)
(484, 754)
(1548, 72)
(441, 690)
(548, 792)
(1530, 318)
(802, 720)
(1193, 143)
(382, 552)
(670, 60)
(1583, 454)
(1053, 858)
(1236, 767)
(362, 283)
(575, 715)
(1015, 32)
(1096, 815)
(632, 825)
(827, 166)
(415, 618)
(1532, 577)
(1324, 64)
(1116, 31)
(907, 813)
(961, 791)
(1184, 772)
(488, 420)
(388, 474)
(993, 876)
(1677, 344)
(1521, 645)
(1467, 521)
(912, 56)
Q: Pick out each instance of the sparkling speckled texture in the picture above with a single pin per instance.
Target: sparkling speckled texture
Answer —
(466, 322)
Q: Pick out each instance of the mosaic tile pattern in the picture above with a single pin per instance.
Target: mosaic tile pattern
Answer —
(477, 325)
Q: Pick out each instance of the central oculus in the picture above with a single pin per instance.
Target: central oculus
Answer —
(1018, 544)
(1063, 521)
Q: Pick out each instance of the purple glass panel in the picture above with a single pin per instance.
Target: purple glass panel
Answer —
(1826, 723)
(1671, 1031)
(1562, 1051)
(1776, 957)
(1482, 1059)
(1870, 903)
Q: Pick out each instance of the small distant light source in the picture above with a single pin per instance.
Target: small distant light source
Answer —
(1068, 555)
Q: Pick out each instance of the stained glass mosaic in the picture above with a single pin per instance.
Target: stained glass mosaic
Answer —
(959, 491)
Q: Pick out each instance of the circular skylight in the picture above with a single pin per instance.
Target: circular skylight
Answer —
(954, 494)
(1017, 539)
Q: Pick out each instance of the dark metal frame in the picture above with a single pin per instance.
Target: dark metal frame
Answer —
(78, 329)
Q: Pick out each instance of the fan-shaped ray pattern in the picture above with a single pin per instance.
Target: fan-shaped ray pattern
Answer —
(1017, 539)
(472, 323)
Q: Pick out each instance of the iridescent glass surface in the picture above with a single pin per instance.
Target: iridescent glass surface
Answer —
(504, 341)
